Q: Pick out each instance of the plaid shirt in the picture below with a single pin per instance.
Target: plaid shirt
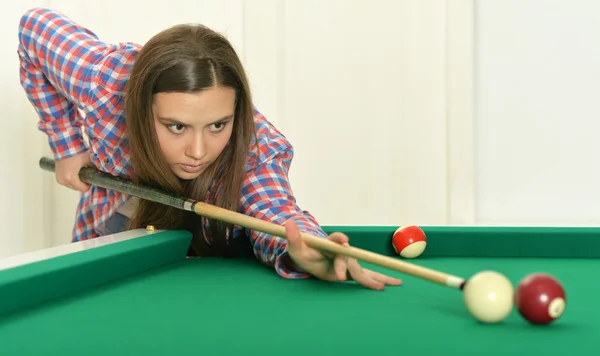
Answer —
(76, 81)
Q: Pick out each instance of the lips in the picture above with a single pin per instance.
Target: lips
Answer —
(192, 169)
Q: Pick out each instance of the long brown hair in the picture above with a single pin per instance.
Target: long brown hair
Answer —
(188, 58)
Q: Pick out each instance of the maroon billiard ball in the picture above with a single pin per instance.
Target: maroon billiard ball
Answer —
(540, 298)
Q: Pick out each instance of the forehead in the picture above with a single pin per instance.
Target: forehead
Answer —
(195, 108)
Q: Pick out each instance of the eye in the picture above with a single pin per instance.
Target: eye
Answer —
(218, 126)
(176, 128)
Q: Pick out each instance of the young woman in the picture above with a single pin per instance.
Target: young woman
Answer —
(177, 114)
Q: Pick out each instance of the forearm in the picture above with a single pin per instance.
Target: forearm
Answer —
(267, 195)
(54, 61)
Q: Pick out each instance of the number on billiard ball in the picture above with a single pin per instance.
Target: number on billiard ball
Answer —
(540, 298)
(409, 241)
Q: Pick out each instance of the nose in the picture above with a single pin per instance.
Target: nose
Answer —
(196, 149)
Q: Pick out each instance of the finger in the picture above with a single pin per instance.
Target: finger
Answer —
(365, 279)
(73, 183)
(79, 185)
(70, 181)
(341, 268)
(387, 280)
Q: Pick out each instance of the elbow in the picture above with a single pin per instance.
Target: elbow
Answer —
(29, 17)
(28, 38)
(30, 22)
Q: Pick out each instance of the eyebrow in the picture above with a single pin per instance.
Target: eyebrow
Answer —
(177, 122)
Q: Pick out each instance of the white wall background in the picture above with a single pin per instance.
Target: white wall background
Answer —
(537, 85)
(426, 112)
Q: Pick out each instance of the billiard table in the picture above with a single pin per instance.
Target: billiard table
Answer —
(137, 293)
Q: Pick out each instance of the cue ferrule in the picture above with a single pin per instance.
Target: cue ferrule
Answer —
(455, 282)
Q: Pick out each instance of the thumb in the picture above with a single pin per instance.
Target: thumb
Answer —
(87, 162)
(292, 234)
(340, 238)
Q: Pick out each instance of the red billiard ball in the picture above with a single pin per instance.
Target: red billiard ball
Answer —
(409, 241)
(540, 298)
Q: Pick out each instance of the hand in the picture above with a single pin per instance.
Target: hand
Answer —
(324, 266)
(67, 171)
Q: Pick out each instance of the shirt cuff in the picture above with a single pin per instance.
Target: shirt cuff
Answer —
(284, 271)
(67, 143)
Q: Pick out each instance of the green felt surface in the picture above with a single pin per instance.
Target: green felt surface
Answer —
(238, 307)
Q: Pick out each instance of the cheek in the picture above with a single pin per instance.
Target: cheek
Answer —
(221, 141)
(168, 145)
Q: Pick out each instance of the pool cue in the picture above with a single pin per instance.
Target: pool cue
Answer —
(124, 185)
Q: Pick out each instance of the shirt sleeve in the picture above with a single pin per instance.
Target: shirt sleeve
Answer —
(56, 57)
(267, 195)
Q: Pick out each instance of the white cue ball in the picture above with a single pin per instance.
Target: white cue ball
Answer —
(488, 296)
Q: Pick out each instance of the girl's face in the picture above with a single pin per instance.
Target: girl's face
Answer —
(193, 128)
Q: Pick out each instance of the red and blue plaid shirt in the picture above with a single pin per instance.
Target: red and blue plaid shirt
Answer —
(76, 81)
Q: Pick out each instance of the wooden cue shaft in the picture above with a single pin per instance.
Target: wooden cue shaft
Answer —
(105, 180)
(329, 246)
